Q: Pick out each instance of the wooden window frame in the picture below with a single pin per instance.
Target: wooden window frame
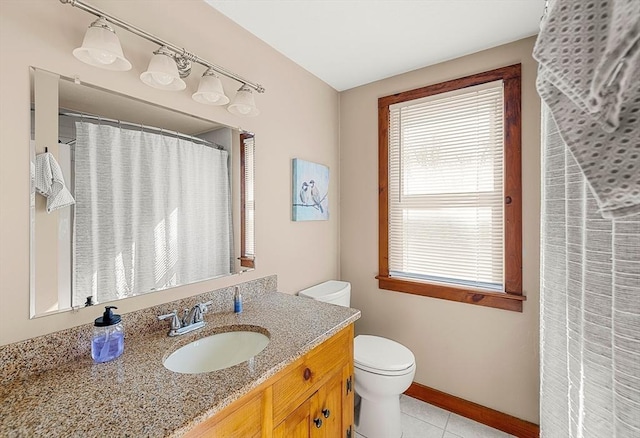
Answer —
(512, 298)
(245, 260)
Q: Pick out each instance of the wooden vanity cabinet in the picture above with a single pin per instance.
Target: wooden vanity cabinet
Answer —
(312, 397)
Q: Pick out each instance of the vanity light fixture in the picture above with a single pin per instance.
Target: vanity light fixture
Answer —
(210, 91)
(168, 67)
(162, 72)
(244, 104)
(101, 48)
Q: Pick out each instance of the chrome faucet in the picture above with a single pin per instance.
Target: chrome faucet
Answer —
(193, 319)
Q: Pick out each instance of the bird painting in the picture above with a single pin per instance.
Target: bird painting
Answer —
(310, 191)
(315, 195)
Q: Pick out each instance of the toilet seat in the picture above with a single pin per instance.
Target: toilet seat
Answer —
(383, 356)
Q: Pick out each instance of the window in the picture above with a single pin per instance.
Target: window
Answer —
(450, 192)
(247, 210)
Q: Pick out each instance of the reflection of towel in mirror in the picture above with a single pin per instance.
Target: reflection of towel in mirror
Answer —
(50, 182)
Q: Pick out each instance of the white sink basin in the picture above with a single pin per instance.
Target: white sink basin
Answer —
(216, 352)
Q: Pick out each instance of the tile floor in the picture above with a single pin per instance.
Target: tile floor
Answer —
(422, 420)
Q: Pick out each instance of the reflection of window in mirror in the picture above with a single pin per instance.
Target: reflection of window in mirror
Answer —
(247, 210)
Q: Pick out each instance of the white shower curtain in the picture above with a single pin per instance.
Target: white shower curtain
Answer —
(590, 320)
(152, 212)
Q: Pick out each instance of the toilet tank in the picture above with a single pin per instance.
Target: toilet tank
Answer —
(332, 291)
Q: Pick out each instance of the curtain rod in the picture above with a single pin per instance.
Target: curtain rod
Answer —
(142, 127)
(182, 56)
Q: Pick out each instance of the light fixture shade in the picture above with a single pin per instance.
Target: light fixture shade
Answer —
(244, 104)
(210, 91)
(162, 72)
(101, 48)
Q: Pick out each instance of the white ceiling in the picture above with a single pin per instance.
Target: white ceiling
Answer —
(348, 43)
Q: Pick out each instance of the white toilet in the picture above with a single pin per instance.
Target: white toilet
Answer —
(384, 369)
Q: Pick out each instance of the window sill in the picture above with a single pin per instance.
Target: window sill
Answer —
(498, 300)
(247, 262)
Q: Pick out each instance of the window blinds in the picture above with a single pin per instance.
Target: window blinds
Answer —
(446, 219)
(249, 207)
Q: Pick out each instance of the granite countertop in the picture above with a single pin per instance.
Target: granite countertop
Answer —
(135, 396)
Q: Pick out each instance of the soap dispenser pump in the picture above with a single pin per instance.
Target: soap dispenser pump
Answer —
(108, 336)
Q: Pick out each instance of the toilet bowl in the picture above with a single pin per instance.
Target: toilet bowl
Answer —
(383, 370)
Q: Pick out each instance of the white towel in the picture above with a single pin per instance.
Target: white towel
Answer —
(589, 76)
(50, 183)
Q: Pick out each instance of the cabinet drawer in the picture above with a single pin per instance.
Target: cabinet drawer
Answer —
(310, 372)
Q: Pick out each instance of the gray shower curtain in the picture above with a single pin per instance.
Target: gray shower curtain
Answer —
(589, 79)
(590, 309)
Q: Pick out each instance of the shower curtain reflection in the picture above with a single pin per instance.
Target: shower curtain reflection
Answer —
(152, 212)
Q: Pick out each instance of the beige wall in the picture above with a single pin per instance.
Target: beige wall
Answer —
(299, 119)
(481, 354)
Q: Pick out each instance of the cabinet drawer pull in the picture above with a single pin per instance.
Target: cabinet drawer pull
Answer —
(307, 374)
(318, 422)
(326, 413)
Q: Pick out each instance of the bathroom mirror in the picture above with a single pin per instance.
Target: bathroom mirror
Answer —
(129, 197)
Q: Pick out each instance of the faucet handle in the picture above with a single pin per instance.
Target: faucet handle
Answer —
(205, 306)
(175, 321)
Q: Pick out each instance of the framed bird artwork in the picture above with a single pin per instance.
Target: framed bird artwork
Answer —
(310, 194)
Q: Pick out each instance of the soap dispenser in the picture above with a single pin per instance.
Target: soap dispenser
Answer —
(237, 301)
(108, 337)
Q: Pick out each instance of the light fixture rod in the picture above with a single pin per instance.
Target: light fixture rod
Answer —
(154, 39)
